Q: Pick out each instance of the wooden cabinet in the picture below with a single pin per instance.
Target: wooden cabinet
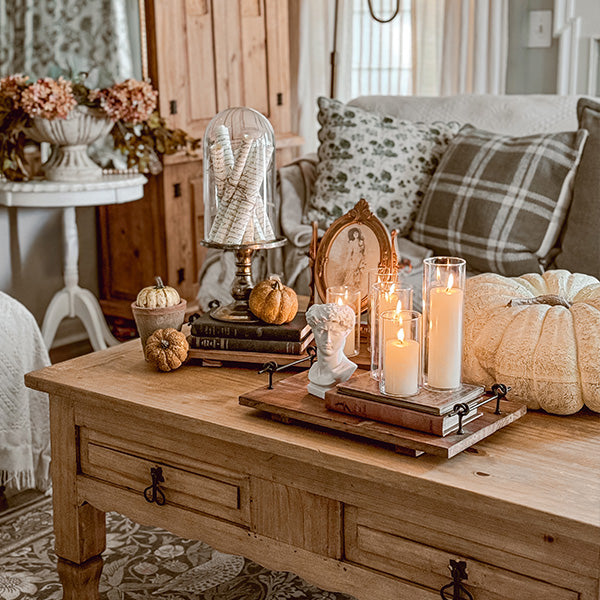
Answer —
(204, 56)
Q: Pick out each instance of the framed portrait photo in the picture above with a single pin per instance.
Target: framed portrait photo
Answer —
(353, 245)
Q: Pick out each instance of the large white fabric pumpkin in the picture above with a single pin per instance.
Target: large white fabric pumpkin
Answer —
(539, 334)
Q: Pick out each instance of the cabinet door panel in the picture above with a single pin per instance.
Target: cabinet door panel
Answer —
(254, 55)
(169, 70)
(180, 226)
(130, 235)
(202, 99)
(241, 54)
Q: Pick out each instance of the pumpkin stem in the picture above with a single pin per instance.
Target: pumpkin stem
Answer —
(276, 282)
(159, 283)
(164, 343)
(549, 299)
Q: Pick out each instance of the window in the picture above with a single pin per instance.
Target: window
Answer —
(382, 54)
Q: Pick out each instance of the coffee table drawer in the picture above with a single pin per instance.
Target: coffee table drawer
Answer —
(367, 543)
(190, 484)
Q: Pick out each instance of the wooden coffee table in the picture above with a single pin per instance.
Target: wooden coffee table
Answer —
(522, 509)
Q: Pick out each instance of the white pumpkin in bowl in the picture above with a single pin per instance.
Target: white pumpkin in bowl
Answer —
(158, 296)
(538, 334)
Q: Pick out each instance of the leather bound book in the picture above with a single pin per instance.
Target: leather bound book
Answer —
(249, 345)
(440, 425)
(426, 401)
(294, 331)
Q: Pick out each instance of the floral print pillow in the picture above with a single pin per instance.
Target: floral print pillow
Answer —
(383, 159)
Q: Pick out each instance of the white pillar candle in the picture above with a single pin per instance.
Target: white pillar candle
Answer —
(401, 366)
(445, 337)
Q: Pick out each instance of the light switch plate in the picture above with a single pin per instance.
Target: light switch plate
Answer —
(540, 29)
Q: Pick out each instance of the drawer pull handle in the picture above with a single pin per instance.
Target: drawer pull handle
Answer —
(153, 493)
(456, 590)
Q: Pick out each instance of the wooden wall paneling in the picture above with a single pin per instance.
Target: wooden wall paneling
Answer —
(254, 55)
(169, 67)
(200, 61)
(180, 227)
(278, 64)
(228, 53)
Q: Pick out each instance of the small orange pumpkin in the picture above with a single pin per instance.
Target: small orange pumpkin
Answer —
(273, 302)
(166, 349)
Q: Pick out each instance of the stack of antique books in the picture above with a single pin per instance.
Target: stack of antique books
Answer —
(291, 338)
(428, 411)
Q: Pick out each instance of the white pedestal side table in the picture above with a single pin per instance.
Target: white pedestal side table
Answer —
(72, 300)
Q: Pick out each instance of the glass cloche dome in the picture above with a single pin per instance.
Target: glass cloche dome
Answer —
(239, 179)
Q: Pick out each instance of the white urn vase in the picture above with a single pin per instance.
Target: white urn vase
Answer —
(70, 138)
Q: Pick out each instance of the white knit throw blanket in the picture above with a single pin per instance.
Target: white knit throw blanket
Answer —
(24, 422)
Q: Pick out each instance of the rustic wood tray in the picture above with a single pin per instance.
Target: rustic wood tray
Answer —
(289, 402)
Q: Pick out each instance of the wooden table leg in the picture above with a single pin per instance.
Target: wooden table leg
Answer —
(80, 582)
(79, 528)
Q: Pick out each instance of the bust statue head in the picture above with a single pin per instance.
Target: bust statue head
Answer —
(331, 324)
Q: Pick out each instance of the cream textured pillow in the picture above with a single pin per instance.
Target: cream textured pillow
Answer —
(387, 161)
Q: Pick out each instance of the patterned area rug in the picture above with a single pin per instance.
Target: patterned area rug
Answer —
(141, 563)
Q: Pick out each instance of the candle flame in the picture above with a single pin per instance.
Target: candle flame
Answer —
(400, 334)
(438, 274)
(450, 282)
(339, 301)
(399, 308)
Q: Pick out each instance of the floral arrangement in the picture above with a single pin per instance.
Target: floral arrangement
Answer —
(138, 131)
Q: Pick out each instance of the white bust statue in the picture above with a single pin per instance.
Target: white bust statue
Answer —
(331, 324)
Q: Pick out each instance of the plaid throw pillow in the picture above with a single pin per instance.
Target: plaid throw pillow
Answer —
(500, 202)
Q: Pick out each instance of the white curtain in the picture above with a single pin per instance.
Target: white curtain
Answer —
(315, 33)
(474, 47)
(428, 29)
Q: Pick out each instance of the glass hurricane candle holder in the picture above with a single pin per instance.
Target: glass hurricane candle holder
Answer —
(443, 309)
(346, 295)
(400, 350)
(239, 178)
(378, 275)
(384, 296)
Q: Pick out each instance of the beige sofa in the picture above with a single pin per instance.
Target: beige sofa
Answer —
(516, 115)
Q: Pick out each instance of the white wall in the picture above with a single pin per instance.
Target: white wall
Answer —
(535, 70)
(530, 70)
(589, 12)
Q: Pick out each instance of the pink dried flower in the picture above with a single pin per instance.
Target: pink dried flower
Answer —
(12, 87)
(130, 101)
(49, 98)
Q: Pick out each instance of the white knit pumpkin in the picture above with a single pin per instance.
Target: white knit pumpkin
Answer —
(158, 296)
(547, 349)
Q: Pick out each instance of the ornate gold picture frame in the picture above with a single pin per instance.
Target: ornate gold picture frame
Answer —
(354, 244)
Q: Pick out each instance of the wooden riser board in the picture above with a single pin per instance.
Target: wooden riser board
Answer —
(289, 400)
